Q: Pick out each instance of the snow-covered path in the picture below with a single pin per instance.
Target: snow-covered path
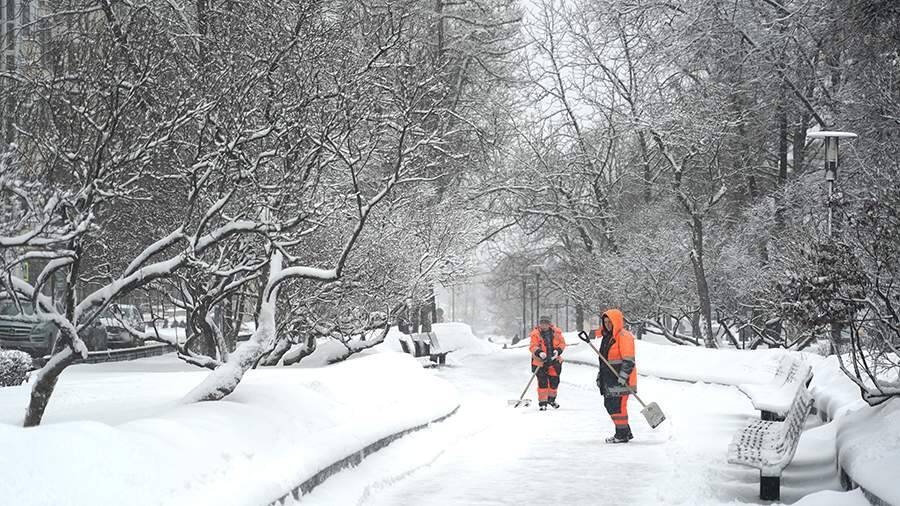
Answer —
(491, 454)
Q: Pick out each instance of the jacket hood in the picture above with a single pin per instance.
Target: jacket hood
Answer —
(617, 319)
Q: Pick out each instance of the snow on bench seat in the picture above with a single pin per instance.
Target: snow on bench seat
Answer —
(770, 446)
(773, 399)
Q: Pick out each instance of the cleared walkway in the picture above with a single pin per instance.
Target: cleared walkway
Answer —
(491, 454)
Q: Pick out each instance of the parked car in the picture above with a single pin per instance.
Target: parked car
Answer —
(39, 338)
(117, 319)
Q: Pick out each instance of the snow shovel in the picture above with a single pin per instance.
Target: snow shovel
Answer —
(521, 400)
(652, 412)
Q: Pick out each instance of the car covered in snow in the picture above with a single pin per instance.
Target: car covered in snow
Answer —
(39, 337)
(122, 321)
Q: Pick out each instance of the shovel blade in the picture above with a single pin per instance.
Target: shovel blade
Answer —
(516, 403)
(653, 414)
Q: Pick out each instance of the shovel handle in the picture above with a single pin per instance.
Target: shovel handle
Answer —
(527, 387)
(611, 368)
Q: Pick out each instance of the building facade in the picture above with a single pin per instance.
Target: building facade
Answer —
(18, 24)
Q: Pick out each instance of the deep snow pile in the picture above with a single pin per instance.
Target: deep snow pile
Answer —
(868, 442)
(118, 436)
(835, 394)
(854, 497)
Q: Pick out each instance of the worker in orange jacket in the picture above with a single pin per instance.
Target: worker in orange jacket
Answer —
(617, 347)
(547, 345)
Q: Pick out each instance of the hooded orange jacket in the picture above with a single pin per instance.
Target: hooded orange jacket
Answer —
(538, 344)
(620, 348)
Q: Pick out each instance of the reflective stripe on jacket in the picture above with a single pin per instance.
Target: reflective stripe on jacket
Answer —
(538, 344)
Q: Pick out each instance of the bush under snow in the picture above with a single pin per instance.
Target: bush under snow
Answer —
(14, 367)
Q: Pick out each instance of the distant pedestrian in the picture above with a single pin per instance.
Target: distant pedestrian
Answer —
(547, 345)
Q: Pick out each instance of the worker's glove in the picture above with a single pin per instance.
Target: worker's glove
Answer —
(584, 336)
(541, 355)
(623, 378)
(556, 354)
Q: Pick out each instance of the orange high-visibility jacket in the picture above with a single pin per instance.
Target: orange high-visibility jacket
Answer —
(621, 347)
(538, 344)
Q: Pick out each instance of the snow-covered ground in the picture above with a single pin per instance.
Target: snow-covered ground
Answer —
(118, 434)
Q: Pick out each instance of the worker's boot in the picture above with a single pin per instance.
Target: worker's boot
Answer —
(621, 436)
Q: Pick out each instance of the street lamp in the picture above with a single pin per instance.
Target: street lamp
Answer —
(832, 139)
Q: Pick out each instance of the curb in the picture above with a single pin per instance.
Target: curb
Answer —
(352, 460)
(117, 355)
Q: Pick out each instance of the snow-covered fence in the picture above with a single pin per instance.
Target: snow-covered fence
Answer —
(352, 460)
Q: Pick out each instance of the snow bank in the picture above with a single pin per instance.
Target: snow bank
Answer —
(688, 363)
(834, 392)
(832, 498)
(868, 443)
(281, 426)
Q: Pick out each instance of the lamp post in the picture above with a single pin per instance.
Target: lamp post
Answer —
(524, 309)
(832, 139)
(832, 159)
(452, 303)
(537, 284)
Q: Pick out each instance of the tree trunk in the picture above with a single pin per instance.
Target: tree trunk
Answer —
(645, 161)
(702, 285)
(48, 375)
(800, 143)
(305, 349)
(44, 385)
(579, 317)
(782, 144)
(222, 381)
(696, 330)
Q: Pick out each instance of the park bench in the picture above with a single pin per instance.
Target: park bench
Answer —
(770, 445)
(773, 399)
(424, 344)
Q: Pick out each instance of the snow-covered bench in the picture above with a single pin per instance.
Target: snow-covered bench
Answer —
(424, 344)
(769, 446)
(773, 399)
